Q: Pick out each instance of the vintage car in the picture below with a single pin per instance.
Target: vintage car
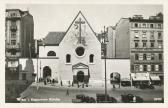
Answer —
(129, 98)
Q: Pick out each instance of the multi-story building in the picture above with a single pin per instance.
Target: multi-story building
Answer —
(141, 40)
(109, 36)
(19, 37)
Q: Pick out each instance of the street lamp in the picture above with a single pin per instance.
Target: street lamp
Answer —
(105, 52)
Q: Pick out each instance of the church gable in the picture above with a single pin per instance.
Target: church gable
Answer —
(80, 32)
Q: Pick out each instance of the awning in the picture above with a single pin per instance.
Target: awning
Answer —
(141, 78)
(155, 78)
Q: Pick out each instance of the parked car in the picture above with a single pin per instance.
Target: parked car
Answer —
(129, 98)
(145, 86)
(100, 98)
(81, 98)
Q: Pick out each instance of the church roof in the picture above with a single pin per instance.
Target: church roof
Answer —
(54, 38)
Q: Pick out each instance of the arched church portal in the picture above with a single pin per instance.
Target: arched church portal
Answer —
(80, 76)
(46, 72)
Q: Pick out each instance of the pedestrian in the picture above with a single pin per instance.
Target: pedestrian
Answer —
(134, 99)
(61, 83)
(113, 86)
(37, 86)
(72, 84)
(67, 92)
(83, 85)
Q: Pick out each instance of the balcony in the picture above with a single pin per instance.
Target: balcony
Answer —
(146, 49)
(13, 27)
(12, 46)
(146, 61)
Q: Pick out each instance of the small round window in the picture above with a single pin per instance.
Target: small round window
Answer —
(80, 51)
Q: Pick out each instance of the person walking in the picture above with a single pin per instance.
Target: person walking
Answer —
(67, 92)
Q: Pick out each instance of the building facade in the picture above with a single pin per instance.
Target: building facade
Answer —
(19, 37)
(72, 56)
(142, 42)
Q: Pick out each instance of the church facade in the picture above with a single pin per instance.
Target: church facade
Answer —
(72, 56)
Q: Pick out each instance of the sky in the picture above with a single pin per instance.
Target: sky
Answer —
(58, 17)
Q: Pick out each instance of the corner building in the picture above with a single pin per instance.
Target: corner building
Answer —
(144, 44)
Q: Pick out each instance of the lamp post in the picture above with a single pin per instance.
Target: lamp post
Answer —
(105, 52)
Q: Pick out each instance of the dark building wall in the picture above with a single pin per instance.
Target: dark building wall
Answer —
(27, 35)
(122, 39)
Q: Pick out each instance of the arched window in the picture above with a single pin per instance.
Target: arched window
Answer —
(51, 53)
(91, 58)
(68, 58)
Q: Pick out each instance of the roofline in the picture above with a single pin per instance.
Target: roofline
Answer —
(7, 10)
(70, 26)
(89, 26)
(73, 22)
(49, 45)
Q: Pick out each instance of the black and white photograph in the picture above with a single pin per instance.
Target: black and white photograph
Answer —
(84, 53)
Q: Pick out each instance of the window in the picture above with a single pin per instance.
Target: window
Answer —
(143, 25)
(159, 26)
(13, 52)
(144, 34)
(152, 44)
(91, 58)
(159, 35)
(136, 44)
(152, 56)
(13, 42)
(13, 34)
(136, 56)
(13, 23)
(136, 25)
(160, 68)
(151, 25)
(152, 67)
(80, 51)
(13, 14)
(136, 34)
(144, 44)
(140, 56)
(149, 67)
(51, 53)
(156, 67)
(144, 57)
(68, 58)
(160, 57)
(159, 44)
(136, 67)
(140, 67)
(152, 34)
(148, 56)
(145, 67)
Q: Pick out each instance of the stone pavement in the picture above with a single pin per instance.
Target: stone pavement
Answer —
(90, 87)
(41, 91)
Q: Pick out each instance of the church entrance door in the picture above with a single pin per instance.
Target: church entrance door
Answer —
(80, 76)
(46, 72)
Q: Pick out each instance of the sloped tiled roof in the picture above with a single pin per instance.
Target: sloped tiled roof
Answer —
(54, 38)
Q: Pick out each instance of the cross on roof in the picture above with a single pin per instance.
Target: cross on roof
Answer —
(80, 22)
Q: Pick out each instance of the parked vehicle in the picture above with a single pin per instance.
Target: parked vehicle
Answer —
(101, 99)
(81, 98)
(129, 98)
(145, 86)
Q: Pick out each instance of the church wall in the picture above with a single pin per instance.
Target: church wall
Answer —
(91, 45)
(43, 50)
